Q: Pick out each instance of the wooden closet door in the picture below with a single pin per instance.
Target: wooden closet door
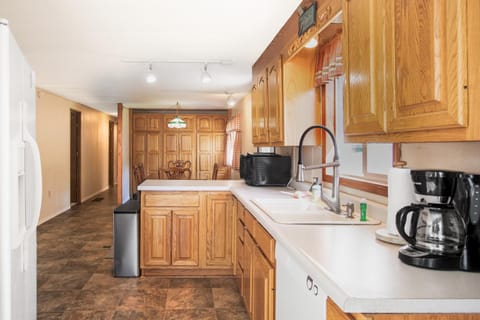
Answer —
(139, 147)
(187, 149)
(204, 155)
(426, 64)
(154, 154)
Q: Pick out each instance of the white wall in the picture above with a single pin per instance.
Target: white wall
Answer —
(458, 156)
(53, 136)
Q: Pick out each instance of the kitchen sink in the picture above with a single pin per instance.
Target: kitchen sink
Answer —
(302, 211)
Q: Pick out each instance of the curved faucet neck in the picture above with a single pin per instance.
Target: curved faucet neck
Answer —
(330, 133)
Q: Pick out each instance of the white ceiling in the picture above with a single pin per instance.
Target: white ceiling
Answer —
(78, 49)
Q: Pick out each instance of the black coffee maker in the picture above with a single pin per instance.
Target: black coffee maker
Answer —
(442, 228)
(467, 202)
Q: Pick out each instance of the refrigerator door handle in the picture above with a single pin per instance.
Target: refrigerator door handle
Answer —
(37, 180)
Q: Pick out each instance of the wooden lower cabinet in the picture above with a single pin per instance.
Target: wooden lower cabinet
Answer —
(335, 313)
(186, 233)
(255, 266)
(219, 229)
(263, 288)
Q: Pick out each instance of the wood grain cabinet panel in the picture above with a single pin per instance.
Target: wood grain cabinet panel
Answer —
(219, 230)
(154, 122)
(154, 154)
(140, 121)
(204, 123)
(363, 54)
(426, 53)
(219, 123)
(259, 111)
(263, 288)
(156, 237)
(185, 237)
(275, 102)
(406, 73)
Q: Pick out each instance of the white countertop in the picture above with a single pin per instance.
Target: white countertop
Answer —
(360, 273)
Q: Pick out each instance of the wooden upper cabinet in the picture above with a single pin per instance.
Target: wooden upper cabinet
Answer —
(219, 123)
(426, 54)
(139, 121)
(406, 72)
(204, 123)
(363, 54)
(275, 102)
(259, 111)
(154, 122)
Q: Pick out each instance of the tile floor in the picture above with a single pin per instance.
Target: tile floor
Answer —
(75, 277)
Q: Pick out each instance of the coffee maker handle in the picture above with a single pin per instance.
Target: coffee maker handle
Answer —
(401, 220)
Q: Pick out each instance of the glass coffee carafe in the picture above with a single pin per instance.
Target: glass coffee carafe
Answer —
(434, 228)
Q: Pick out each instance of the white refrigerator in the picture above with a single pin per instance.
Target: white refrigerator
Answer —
(20, 182)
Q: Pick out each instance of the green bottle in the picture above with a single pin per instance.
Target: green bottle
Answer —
(363, 210)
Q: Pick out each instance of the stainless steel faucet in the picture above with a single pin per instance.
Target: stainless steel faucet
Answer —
(333, 201)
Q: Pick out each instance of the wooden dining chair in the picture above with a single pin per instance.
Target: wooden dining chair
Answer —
(215, 171)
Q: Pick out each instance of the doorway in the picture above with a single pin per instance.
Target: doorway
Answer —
(75, 156)
(111, 153)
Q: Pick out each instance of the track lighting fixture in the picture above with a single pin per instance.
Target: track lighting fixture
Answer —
(206, 77)
(150, 78)
(230, 100)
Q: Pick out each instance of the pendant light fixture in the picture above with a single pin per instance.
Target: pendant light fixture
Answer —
(206, 77)
(177, 122)
(150, 78)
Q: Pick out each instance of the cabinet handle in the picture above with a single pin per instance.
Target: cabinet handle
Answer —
(315, 290)
(325, 14)
(309, 283)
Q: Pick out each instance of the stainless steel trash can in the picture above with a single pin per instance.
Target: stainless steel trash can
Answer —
(126, 225)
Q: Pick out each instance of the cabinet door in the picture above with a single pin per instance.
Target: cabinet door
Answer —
(275, 103)
(219, 230)
(139, 147)
(426, 64)
(259, 112)
(187, 149)
(204, 155)
(185, 239)
(154, 154)
(156, 237)
(263, 288)
(154, 122)
(204, 123)
(219, 146)
(248, 273)
(219, 123)
(139, 121)
(364, 67)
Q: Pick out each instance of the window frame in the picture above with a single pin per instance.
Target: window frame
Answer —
(371, 185)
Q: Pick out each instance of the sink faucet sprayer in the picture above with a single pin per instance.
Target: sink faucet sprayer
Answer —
(333, 202)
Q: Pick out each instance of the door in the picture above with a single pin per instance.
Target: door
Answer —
(75, 148)
(185, 233)
(219, 230)
(204, 155)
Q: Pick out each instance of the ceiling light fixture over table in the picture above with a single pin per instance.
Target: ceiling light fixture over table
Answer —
(177, 122)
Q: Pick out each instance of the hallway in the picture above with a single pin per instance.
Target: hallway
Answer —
(75, 276)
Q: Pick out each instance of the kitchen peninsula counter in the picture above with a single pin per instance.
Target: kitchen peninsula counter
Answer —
(359, 273)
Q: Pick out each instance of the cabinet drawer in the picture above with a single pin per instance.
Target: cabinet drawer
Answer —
(240, 230)
(172, 199)
(249, 221)
(265, 242)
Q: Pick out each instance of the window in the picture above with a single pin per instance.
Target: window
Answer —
(363, 166)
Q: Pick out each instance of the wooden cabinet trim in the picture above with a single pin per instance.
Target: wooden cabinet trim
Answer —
(172, 199)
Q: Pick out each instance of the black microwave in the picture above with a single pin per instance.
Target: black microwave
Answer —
(265, 169)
